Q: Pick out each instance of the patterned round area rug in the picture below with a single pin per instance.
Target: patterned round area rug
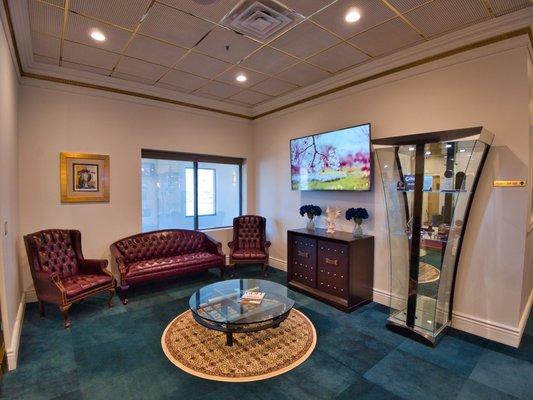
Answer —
(427, 273)
(254, 356)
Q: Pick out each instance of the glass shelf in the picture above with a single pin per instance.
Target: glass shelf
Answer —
(427, 184)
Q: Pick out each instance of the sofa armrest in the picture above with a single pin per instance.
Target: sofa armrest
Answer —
(231, 245)
(213, 246)
(97, 267)
(267, 244)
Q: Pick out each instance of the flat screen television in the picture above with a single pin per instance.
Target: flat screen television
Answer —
(335, 160)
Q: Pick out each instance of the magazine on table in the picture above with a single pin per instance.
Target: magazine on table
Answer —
(252, 297)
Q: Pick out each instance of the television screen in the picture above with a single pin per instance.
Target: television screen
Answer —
(336, 160)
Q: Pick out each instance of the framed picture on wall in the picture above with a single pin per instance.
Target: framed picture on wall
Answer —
(84, 178)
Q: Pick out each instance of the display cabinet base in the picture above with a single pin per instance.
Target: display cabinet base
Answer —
(420, 337)
(337, 302)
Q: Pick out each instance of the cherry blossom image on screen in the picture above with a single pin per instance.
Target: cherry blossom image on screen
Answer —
(337, 160)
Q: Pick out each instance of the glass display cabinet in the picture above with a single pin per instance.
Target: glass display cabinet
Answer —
(429, 182)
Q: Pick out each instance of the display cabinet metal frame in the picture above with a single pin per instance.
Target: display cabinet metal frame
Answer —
(416, 311)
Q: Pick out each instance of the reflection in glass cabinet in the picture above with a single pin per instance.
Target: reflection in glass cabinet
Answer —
(429, 182)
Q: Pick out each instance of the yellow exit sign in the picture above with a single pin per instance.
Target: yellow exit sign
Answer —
(509, 183)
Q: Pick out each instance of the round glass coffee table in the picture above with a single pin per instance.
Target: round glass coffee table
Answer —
(220, 307)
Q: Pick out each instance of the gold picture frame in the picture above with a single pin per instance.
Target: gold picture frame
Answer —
(84, 177)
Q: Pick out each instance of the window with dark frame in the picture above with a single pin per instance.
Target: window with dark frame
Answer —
(189, 191)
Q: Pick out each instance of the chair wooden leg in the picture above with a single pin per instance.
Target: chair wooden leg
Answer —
(41, 309)
(232, 270)
(64, 312)
(222, 271)
(264, 268)
(110, 300)
(123, 294)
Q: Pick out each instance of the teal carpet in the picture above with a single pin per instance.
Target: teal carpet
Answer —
(116, 354)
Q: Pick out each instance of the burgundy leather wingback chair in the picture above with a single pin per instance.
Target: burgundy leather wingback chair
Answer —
(249, 244)
(61, 275)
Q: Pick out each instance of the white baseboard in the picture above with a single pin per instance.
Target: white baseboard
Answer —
(13, 350)
(277, 263)
(487, 329)
(30, 295)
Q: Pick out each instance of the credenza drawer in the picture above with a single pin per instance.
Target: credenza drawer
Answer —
(304, 261)
(333, 257)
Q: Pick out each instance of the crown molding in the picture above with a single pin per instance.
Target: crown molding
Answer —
(477, 36)
(488, 36)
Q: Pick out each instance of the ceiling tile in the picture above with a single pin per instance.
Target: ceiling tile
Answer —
(45, 60)
(218, 90)
(45, 45)
(304, 40)
(199, 64)
(183, 80)
(87, 68)
(406, 5)
(45, 18)
(390, 36)
(82, 54)
(303, 74)
(252, 77)
(306, 7)
(274, 87)
(80, 28)
(174, 26)
(213, 12)
(227, 45)
(155, 51)
(501, 7)
(126, 13)
(170, 87)
(141, 69)
(269, 61)
(249, 97)
(372, 12)
(339, 57)
(441, 16)
(132, 78)
(59, 3)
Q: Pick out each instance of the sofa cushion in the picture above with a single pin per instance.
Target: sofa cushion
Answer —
(244, 254)
(156, 265)
(78, 284)
(160, 244)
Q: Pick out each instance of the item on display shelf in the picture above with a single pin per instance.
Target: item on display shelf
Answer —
(332, 213)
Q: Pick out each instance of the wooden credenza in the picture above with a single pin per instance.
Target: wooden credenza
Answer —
(337, 269)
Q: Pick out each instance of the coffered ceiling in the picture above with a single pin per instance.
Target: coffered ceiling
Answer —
(182, 46)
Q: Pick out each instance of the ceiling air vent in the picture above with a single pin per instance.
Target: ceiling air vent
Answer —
(260, 19)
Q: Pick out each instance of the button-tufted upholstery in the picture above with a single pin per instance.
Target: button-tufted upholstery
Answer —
(161, 254)
(249, 244)
(61, 275)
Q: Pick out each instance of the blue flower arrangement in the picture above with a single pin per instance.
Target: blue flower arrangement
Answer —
(310, 210)
(356, 214)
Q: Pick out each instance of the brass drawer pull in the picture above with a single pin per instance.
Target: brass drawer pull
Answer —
(303, 254)
(332, 262)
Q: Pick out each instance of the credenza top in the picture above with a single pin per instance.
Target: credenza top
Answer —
(320, 233)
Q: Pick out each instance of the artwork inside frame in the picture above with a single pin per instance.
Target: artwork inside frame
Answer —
(84, 177)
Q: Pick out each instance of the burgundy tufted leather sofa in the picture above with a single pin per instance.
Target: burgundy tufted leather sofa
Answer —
(162, 254)
(61, 275)
(249, 244)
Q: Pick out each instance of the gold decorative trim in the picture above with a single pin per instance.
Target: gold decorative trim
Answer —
(509, 35)
(458, 50)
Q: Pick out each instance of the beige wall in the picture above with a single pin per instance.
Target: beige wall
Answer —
(10, 288)
(57, 118)
(491, 91)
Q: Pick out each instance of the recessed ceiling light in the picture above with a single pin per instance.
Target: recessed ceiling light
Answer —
(241, 78)
(411, 149)
(448, 146)
(462, 151)
(352, 15)
(98, 36)
(428, 153)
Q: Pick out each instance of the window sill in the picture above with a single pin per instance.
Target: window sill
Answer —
(221, 228)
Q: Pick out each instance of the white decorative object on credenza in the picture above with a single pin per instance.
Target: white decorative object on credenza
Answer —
(332, 213)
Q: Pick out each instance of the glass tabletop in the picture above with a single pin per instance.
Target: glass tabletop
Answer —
(221, 302)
